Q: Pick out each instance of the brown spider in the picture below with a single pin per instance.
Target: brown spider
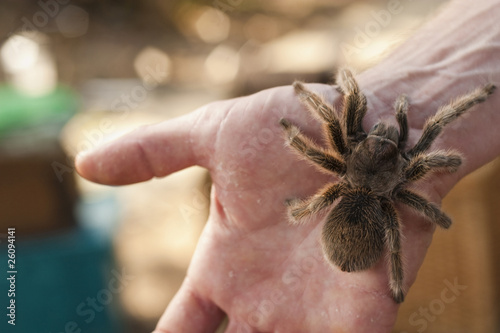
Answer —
(374, 170)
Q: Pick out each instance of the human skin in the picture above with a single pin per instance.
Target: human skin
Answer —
(250, 263)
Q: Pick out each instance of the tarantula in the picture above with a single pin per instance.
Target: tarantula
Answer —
(374, 169)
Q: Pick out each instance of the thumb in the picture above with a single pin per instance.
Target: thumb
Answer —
(147, 152)
(190, 312)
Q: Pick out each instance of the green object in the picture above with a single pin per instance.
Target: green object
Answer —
(18, 110)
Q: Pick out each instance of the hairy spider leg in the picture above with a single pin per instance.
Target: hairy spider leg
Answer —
(447, 114)
(393, 242)
(421, 205)
(401, 107)
(306, 148)
(324, 198)
(422, 164)
(331, 123)
(354, 106)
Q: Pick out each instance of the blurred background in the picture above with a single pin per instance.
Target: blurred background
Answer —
(75, 74)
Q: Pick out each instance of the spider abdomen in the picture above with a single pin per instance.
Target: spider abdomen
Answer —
(353, 236)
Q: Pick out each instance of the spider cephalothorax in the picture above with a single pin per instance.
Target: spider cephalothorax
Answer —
(374, 169)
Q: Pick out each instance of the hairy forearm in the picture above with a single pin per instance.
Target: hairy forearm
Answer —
(458, 50)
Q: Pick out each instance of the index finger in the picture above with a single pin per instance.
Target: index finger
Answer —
(147, 152)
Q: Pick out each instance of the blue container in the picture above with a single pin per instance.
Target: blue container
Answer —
(64, 283)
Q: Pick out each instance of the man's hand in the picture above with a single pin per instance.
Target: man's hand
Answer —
(250, 263)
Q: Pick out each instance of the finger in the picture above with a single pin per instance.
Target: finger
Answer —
(190, 312)
(147, 152)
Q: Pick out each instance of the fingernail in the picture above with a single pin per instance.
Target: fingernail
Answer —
(81, 156)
